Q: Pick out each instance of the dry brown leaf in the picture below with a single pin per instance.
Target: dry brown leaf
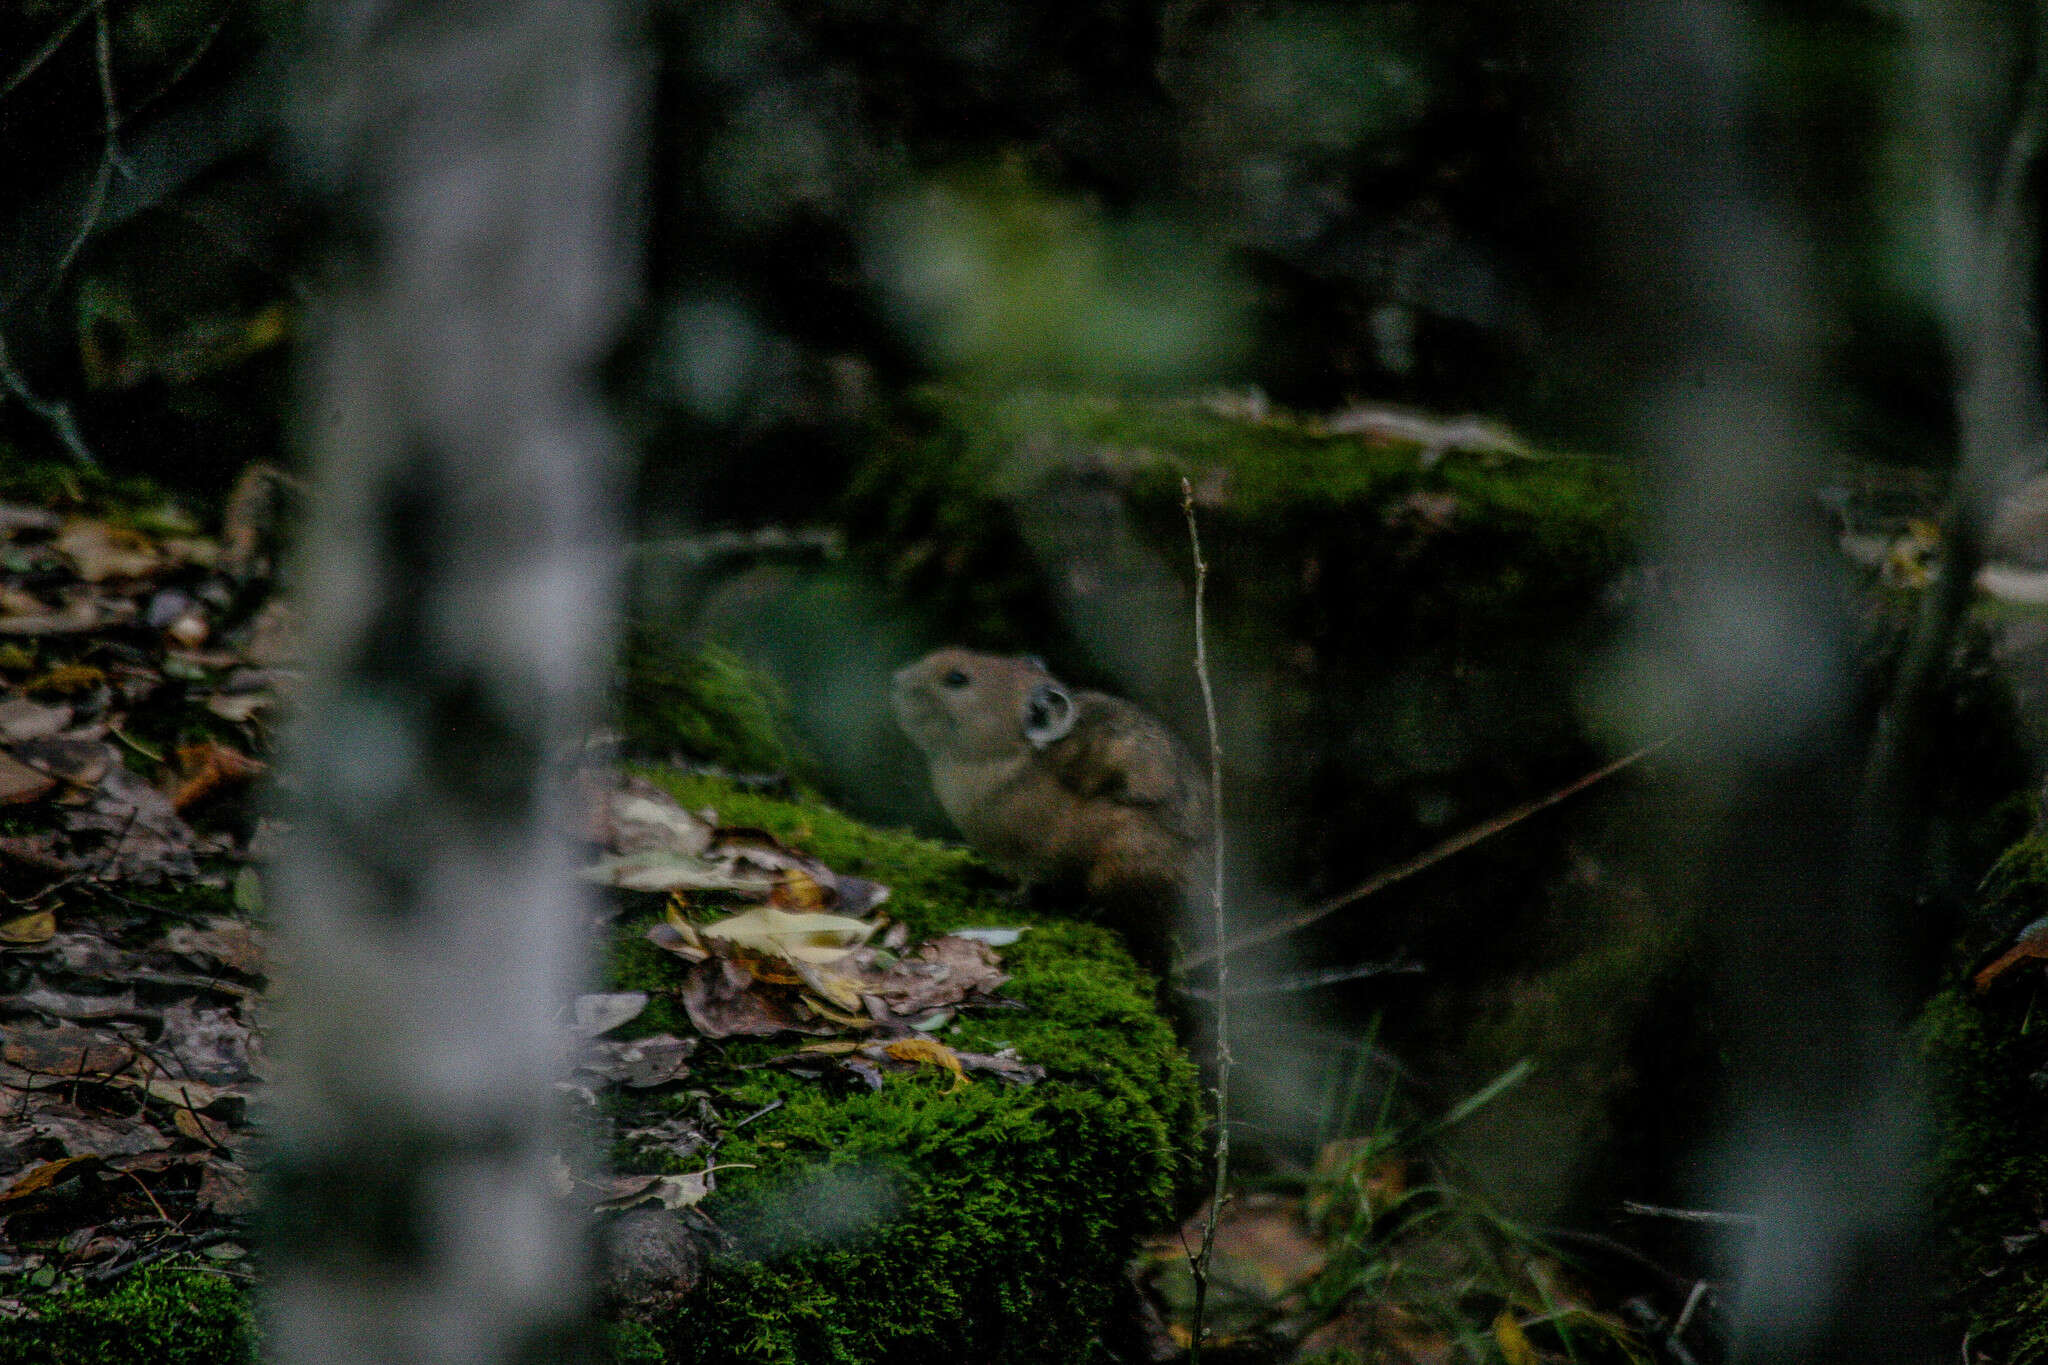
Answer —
(20, 784)
(101, 551)
(22, 719)
(928, 1052)
(2032, 943)
(640, 1062)
(724, 1001)
(219, 942)
(46, 1175)
(208, 769)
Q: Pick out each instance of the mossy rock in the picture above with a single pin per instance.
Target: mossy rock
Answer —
(924, 1221)
(705, 703)
(1398, 634)
(1987, 1061)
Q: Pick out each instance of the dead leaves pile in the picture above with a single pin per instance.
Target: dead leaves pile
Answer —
(129, 1047)
(109, 632)
(804, 950)
(125, 1076)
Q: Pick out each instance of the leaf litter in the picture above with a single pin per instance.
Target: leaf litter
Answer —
(141, 671)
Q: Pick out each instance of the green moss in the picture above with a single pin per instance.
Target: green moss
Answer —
(1985, 1057)
(923, 1222)
(158, 1316)
(938, 499)
(708, 704)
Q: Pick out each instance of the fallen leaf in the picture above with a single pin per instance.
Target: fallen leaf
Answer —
(22, 719)
(670, 1191)
(929, 1052)
(46, 1175)
(724, 1001)
(209, 768)
(942, 972)
(67, 680)
(2032, 942)
(225, 1190)
(221, 942)
(640, 1062)
(66, 1005)
(20, 784)
(796, 889)
(814, 938)
(595, 1014)
(66, 1050)
(36, 927)
(100, 551)
(81, 762)
(1514, 1344)
(238, 708)
(80, 1134)
(211, 1045)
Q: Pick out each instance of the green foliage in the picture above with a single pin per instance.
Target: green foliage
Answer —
(629, 1343)
(1985, 1056)
(920, 1222)
(707, 703)
(158, 1316)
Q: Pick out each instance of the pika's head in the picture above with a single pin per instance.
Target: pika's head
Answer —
(955, 704)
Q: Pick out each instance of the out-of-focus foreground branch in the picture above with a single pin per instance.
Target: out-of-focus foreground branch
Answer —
(1790, 840)
(458, 579)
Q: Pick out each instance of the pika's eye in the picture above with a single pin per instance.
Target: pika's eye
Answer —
(954, 678)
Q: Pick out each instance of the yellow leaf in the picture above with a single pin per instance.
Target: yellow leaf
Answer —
(798, 890)
(39, 926)
(673, 912)
(931, 1053)
(811, 938)
(841, 992)
(1514, 1346)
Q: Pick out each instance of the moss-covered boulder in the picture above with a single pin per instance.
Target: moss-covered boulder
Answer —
(928, 1220)
(1987, 1059)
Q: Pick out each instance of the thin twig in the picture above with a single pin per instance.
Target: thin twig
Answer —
(1308, 981)
(1743, 1220)
(111, 159)
(1200, 1262)
(1380, 881)
(56, 413)
(49, 48)
(762, 1112)
(185, 67)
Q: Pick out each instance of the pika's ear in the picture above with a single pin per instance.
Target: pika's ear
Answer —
(1049, 714)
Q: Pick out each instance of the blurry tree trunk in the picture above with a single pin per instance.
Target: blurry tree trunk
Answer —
(1790, 867)
(457, 580)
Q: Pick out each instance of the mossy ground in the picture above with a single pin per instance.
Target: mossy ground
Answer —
(161, 1315)
(1987, 1061)
(923, 1222)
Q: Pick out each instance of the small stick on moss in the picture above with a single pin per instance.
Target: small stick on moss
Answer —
(1199, 1262)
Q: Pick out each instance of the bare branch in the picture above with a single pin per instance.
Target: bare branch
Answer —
(1380, 881)
(49, 48)
(1200, 1262)
(55, 412)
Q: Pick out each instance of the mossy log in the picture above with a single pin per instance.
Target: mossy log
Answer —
(920, 1221)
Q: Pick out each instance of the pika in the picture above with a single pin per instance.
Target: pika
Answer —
(1075, 791)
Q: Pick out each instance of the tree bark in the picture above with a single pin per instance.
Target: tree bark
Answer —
(458, 583)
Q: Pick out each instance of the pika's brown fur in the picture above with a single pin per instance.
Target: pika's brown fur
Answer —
(1073, 790)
